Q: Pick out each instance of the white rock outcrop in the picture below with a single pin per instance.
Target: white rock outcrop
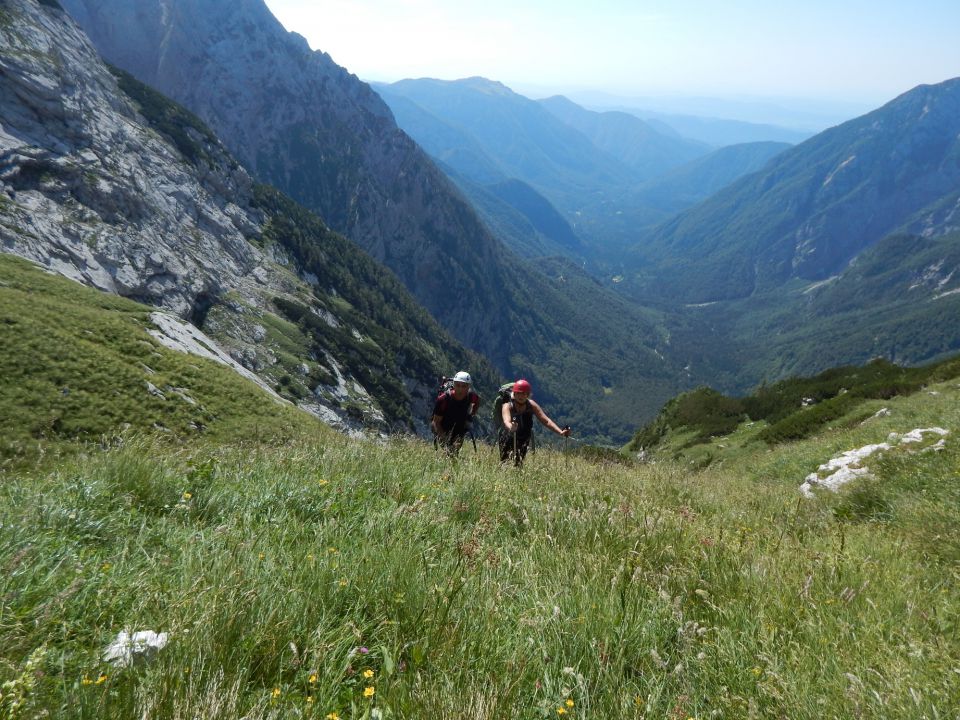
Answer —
(848, 466)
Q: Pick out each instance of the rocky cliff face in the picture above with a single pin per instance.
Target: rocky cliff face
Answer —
(94, 193)
(116, 187)
(305, 125)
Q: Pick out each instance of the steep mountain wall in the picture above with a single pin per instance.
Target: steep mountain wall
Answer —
(305, 125)
(96, 194)
(108, 182)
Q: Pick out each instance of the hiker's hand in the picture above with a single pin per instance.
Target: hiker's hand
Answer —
(513, 426)
(565, 431)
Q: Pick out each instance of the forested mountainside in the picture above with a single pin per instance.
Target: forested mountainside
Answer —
(839, 250)
(815, 206)
(898, 300)
(107, 182)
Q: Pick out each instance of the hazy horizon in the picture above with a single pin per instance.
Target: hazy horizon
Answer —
(839, 59)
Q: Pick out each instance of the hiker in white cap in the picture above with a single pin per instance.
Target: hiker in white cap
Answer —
(453, 412)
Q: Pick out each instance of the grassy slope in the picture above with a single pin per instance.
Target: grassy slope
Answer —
(76, 364)
(632, 591)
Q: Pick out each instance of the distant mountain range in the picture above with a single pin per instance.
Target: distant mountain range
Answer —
(640, 146)
(592, 167)
(718, 132)
(782, 114)
(521, 137)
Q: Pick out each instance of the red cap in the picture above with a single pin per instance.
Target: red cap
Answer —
(522, 385)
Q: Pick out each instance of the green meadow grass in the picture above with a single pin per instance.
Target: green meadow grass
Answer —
(77, 365)
(332, 578)
(300, 573)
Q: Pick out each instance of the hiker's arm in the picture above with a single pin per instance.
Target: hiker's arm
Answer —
(507, 417)
(542, 417)
(435, 425)
(474, 405)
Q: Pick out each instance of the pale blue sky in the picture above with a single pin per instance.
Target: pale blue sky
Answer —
(861, 51)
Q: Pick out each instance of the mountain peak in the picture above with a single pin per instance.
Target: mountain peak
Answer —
(482, 84)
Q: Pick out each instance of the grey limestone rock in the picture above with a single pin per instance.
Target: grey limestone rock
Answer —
(89, 190)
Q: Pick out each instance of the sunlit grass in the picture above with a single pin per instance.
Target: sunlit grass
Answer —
(338, 578)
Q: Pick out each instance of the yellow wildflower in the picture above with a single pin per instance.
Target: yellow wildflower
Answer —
(369, 691)
(561, 711)
(368, 674)
(313, 679)
(309, 698)
(569, 703)
(332, 716)
(187, 495)
(322, 482)
(276, 692)
(86, 680)
(343, 583)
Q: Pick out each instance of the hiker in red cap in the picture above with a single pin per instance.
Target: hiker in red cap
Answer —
(517, 414)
